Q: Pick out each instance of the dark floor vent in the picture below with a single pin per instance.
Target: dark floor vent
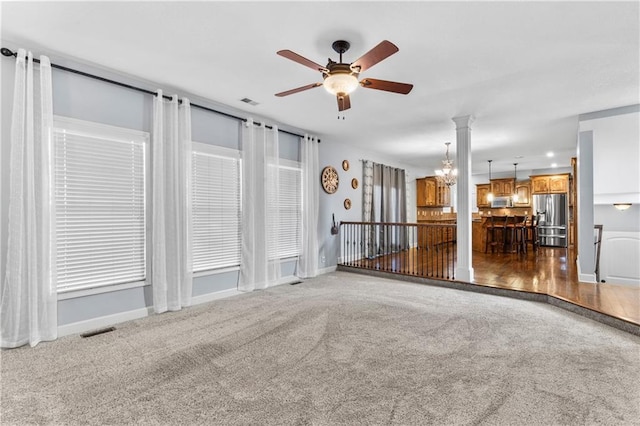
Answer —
(295, 283)
(96, 332)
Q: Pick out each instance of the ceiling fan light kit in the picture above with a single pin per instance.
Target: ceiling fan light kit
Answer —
(340, 83)
(341, 79)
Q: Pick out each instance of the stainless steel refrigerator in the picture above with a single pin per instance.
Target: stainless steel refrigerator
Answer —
(553, 211)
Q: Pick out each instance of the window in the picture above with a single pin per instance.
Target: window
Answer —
(216, 177)
(99, 192)
(289, 209)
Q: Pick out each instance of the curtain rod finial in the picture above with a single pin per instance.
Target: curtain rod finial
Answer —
(7, 52)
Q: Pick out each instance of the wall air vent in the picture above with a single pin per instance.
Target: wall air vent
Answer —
(249, 101)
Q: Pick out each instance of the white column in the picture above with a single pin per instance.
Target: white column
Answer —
(464, 268)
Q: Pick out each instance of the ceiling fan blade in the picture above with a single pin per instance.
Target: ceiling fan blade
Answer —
(389, 86)
(298, 89)
(375, 55)
(344, 102)
(301, 60)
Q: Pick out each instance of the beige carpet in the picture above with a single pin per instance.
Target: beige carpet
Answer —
(340, 349)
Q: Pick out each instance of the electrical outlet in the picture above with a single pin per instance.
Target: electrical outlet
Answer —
(322, 259)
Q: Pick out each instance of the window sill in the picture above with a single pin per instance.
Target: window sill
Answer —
(215, 271)
(72, 294)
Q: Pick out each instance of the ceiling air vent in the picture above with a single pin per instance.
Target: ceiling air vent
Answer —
(249, 101)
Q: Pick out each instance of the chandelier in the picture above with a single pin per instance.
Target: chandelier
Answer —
(447, 175)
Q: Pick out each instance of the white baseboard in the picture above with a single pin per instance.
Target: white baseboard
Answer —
(327, 270)
(585, 278)
(209, 297)
(110, 320)
(102, 322)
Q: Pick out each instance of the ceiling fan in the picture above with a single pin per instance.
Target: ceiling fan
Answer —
(340, 79)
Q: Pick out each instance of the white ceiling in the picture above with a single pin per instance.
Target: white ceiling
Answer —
(525, 70)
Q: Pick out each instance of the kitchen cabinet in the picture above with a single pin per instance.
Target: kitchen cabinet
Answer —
(550, 184)
(523, 191)
(502, 187)
(482, 195)
(431, 193)
(478, 235)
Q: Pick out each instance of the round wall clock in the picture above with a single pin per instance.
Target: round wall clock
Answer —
(354, 183)
(345, 165)
(329, 180)
(347, 203)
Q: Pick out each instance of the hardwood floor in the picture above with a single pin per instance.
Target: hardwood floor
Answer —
(551, 271)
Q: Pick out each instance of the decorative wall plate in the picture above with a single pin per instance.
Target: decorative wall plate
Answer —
(329, 179)
(345, 165)
(347, 203)
(354, 183)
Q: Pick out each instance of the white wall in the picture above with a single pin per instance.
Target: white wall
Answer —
(616, 179)
(616, 152)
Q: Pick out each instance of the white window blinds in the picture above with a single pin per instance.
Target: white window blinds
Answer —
(216, 211)
(99, 175)
(290, 209)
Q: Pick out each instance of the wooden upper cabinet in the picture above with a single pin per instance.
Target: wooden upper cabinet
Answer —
(559, 184)
(425, 193)
(482, 192)
(540, 184)
(502, 187)
(550, 184)
(523, 190)
(443, 197)
(431, 193)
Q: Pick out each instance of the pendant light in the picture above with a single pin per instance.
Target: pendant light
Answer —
(490, 194)
(515, 179)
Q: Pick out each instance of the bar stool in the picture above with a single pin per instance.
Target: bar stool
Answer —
(517, 234)
(532, 233)
(495, 232)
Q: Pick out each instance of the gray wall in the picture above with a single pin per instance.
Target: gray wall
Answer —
(88, 99)
(586, 258)
(332, 153)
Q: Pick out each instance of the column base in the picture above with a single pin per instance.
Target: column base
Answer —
(464, 274)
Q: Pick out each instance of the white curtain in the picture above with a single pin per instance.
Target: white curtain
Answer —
(308, 259)
(28, 309)
(171, 264)
(259, 263)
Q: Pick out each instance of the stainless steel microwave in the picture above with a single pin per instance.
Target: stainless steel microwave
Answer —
(501, 202)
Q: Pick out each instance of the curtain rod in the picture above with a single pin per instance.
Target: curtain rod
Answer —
(7, 52)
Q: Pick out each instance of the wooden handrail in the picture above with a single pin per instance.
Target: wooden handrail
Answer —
(399, 223)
